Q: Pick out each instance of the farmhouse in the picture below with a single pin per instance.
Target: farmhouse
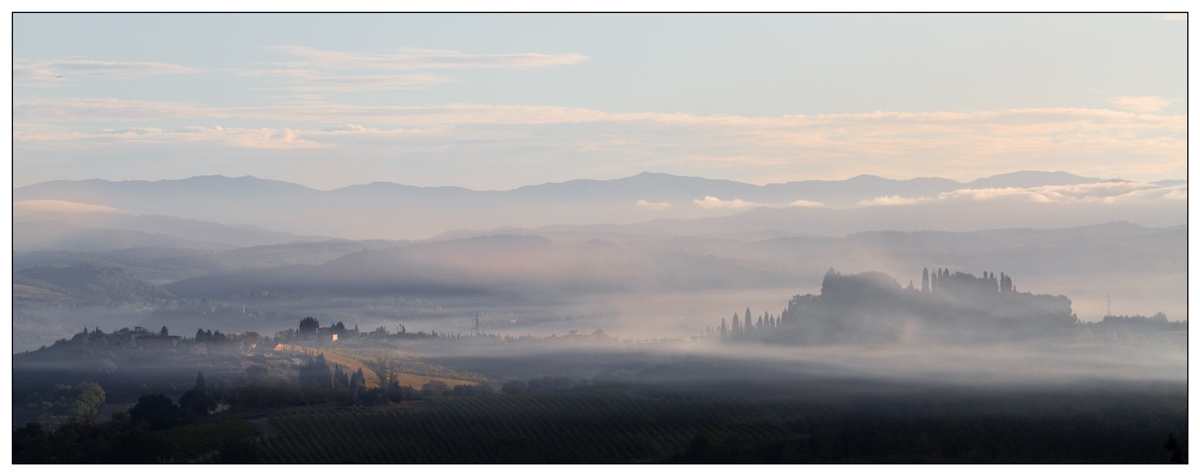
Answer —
(154, 341)
(142, 338)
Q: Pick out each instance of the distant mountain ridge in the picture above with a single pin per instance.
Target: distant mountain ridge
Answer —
(644, 186)
(394, 211)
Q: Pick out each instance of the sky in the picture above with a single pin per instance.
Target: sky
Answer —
(498, 101)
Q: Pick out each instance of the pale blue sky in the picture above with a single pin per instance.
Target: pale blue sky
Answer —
(516, 99)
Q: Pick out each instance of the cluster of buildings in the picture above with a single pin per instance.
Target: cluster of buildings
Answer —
(142, 338)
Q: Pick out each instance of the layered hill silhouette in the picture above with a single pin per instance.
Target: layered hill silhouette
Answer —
(497, 267)
(85, 285)
(57, 236)
(1123, 253)
(117, 231)
(961, 216)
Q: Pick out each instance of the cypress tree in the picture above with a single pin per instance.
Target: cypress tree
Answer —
(339, 377)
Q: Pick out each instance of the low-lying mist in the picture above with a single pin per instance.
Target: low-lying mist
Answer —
(672, 288)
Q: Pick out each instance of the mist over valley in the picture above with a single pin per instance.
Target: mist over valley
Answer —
(646, 238)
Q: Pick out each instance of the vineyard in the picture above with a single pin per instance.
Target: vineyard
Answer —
(599, 426)
(608, 425)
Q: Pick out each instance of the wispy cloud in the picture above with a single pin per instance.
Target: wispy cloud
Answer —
(1012, 122)
(308, 80)
(349, 128)
(59, 70)
(27, 207)
(263, 138)
(805, 203)
(280, 73)
(714, 202)
(1101, 192)
(893, 200)
(190, 136)
(419, 59)
(963, 146)
(313, 72)
(1141, 103)
(131, 130)
(653, 205)
(1090, 192)
(1177, 193)
(360, 83)
(24, 133)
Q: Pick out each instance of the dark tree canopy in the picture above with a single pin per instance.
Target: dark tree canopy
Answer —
(156, 410)
(309, 325)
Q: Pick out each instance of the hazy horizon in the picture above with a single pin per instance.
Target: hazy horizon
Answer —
(650, 172)
(966, 180)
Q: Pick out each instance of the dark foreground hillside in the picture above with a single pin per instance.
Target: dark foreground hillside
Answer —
(377, 397)
(604, 423)
(611, 425)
